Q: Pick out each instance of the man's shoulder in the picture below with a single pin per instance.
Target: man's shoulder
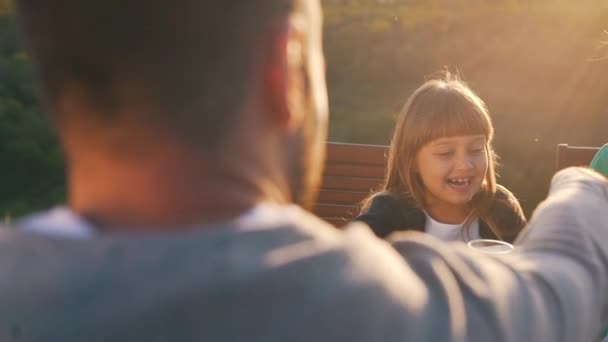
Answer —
(351, 286)
(294, 272)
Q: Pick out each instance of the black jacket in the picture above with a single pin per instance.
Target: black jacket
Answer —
(388, 213)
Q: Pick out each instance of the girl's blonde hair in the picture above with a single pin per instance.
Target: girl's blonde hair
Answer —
(439, 108)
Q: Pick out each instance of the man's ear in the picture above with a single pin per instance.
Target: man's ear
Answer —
(284, 77)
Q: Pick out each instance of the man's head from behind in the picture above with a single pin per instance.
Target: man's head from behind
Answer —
(132, 75)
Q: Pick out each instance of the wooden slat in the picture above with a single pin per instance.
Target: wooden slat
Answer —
(350, 183)
(341, 197)
(336, 211)
(356, 153)
(574, 155)
(354, 170)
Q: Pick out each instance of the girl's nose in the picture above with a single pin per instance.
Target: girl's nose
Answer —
(464, 163)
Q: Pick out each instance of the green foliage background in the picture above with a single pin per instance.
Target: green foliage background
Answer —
(31, 170)
(536, 63)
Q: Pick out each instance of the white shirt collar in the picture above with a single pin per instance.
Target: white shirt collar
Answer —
(62, 222)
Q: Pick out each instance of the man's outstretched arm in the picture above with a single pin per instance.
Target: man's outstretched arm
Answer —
(553, 288)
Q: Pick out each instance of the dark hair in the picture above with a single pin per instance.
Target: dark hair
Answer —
(187, 61)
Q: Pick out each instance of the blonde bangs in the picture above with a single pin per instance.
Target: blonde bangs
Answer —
(447, 115)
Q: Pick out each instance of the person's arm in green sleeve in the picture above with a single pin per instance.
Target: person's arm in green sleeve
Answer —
(600, 161)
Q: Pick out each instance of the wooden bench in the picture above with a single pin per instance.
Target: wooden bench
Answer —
(352, 172)
(574, 155)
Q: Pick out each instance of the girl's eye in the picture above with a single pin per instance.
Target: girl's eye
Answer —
(477, 150)
(444, 154)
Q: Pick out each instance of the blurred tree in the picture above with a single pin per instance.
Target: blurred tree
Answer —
(31, 171)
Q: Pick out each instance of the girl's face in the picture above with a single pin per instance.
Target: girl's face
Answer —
(452, 169)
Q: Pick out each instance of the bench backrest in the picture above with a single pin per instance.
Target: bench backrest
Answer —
(352, 172)
(574, 155)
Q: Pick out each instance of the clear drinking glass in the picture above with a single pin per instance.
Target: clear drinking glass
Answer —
(490, 246)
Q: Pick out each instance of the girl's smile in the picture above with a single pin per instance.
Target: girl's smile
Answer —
(452, 169)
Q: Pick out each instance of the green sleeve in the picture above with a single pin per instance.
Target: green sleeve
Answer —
(600, 161)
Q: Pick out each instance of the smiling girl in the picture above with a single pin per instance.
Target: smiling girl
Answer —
(441, 171)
